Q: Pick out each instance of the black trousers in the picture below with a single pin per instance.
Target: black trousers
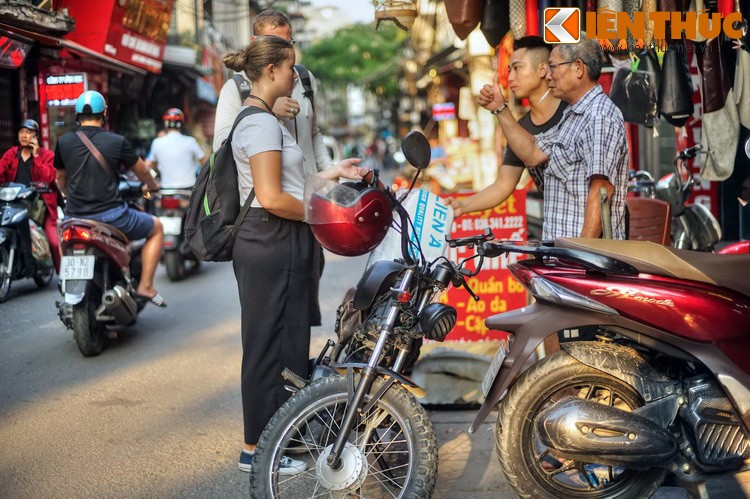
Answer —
(274, 265)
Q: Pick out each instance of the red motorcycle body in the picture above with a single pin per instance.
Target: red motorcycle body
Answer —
(80, 233)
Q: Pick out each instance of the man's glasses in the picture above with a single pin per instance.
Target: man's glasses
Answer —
(553, 66)
(292, 40)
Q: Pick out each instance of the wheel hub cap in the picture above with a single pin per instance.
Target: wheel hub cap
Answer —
(351, 471)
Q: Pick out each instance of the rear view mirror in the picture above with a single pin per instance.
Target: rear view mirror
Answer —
(416, 148)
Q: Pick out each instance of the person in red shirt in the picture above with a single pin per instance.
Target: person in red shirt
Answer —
(28, 162)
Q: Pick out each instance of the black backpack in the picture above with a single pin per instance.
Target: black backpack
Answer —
(214, 215)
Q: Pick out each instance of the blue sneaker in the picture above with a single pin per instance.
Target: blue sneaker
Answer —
(246, 461)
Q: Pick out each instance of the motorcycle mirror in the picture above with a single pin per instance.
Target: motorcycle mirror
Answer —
(416, 148)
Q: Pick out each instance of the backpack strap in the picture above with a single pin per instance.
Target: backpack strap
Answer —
(306, 80)
(97, 154)
(243, 87)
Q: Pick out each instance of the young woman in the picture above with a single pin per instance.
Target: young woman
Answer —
(274, 253)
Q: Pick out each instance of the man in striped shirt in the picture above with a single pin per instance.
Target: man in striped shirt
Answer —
(587, 150)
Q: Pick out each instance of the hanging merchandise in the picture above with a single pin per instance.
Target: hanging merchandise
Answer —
(715, 79)
(676, 89)
(463, 15)
(742, 86)
(721, 120)
(648, 6)
(518, 18)
(631, 7)
(542, 4)
(495, 21)
(532, 17)
(635, 90)
(726, 7)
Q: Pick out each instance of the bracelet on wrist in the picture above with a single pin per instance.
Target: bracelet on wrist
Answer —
(500, 109)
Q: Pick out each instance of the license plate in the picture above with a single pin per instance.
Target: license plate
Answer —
(77, 267)
(172, 225)
(495, 366)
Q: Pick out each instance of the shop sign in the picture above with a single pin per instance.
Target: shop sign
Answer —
(63, 90)
(12, 52)
(444, 111)
(138, 32)
(496, 287)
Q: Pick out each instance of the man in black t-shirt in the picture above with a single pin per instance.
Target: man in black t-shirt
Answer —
(528, 80)
(92, 189)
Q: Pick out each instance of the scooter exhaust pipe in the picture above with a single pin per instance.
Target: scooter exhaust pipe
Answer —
(120, 305)
(596, 433)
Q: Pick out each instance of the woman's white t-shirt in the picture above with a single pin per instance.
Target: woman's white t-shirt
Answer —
(259, 133)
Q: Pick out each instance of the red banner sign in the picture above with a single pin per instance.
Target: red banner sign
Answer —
(63, 90)
(497, 289)
(138, 32)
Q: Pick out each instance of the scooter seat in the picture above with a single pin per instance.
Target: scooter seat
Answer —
(97, 226)
(728, 271)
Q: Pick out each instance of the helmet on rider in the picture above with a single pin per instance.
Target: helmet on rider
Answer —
(30, 124)
(173, 118)
(91, 102)
(348, 219)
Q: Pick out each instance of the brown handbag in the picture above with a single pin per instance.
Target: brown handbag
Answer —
(463, 15)
(715, 78)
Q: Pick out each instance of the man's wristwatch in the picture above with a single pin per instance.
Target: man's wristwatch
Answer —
(500, 109)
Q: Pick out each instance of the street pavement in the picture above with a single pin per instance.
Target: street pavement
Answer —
(158, 413)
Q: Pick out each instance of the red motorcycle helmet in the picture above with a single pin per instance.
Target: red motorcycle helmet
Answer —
(173, 118)
(348, 219)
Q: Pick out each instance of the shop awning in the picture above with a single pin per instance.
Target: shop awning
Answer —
(72, 48)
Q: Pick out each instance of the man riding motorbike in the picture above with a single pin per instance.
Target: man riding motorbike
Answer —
(29, 162)
(175, 155)
(88, 163)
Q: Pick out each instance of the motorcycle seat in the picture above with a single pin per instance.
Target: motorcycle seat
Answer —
(101, 227)
(728, 271)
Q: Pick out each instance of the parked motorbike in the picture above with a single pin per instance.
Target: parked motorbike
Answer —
(99, 272)
(24, 249)
(693, 226)
(172, 208)
(653, 378)
(356, 421)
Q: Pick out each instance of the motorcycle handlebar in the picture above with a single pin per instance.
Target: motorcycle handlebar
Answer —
(689, 153)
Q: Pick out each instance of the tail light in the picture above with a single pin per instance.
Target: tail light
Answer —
(546, 290)
(76, 233)
(171, 203)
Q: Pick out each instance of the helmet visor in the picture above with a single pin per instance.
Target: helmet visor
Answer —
(327, 201)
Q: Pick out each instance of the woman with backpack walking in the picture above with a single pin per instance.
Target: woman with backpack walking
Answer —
(274, 252)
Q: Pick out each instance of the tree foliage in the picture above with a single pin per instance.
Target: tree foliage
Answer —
(358, 54)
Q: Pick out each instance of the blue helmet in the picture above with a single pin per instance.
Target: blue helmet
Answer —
(90, 102)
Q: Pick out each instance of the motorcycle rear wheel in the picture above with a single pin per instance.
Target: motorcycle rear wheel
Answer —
(90, 335)
(5, 278)
(532, 469)
(392, 449)
(175, 265)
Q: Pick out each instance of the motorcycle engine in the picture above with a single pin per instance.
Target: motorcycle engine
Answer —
(718, 433)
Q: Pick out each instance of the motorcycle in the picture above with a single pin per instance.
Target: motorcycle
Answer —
(99, 272)
(652, 380)
(356, 420)
(172, 208)
(24, 249)
(693, 226)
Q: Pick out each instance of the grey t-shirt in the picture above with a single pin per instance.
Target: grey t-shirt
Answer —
(262, 132)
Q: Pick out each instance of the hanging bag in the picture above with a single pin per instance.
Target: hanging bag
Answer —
(495, 21)
(463, 15)
(635, 90)
(676, 89)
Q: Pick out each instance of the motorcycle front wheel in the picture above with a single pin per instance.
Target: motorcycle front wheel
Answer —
(536, 471)
(391, 451)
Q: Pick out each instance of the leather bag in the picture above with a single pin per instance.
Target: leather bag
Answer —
(676, 88)
(463, 15)
(715, 79)
(720, 135)
(636, 93)
(495, 21)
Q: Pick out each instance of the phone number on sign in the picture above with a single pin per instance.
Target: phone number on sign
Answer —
(479, 224)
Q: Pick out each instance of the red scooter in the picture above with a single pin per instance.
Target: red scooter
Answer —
(653, 379)
(99, 273)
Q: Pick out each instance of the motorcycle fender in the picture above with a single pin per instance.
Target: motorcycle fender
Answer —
(414, 388)
(74, 291)
(171, 242)
(530, 326)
